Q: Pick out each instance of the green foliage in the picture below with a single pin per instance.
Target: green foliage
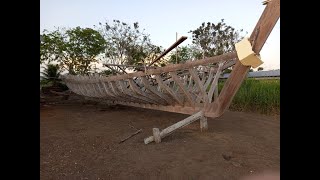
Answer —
(184, 54)
(75, 49)
(214, 39)
(50, 74)
(127, 44)
(257, 95)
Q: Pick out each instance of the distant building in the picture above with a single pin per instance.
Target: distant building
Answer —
(272, 74)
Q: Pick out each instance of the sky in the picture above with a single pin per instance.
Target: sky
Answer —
(163, 19)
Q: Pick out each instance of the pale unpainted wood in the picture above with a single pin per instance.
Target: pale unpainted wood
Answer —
(197, 81)
(156, 135)
(203, 124)
(165, 132)
(127, 93)
(183, 88)
(153, 90)
(214, 82)
(169, 90)
(168, 68)
(138, 91)
(130, 93)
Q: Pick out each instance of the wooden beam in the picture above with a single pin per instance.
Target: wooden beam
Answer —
(168, 89)
(166, 69)
(214, 82)
(129, 93)
(183, 88)
(196, 79)
(138, 91)
(165, 132)
(264, 27)
(179, 41)
(267, 21)
(153, 90)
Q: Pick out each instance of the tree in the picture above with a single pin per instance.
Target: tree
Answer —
(75, 49)
(51, 73)
(184, 54)
(214, 39)
(260, 68)
(127, 45)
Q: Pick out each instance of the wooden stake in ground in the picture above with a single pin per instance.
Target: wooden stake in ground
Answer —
(137, 132)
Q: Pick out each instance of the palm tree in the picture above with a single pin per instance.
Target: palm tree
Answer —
(51, 73)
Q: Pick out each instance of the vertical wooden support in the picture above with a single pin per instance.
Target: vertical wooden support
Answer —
(203, 123)
(156, 135)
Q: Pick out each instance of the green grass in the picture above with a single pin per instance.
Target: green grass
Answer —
(261, 96)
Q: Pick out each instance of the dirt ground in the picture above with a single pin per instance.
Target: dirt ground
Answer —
(81, 141)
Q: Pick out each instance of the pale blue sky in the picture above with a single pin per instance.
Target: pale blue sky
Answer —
(162, 19)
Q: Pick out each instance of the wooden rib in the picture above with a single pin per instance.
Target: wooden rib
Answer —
(214, 82)
(179, 41)
(128, 92)
(183, 88)
(206, 85)
(138, 91)
(202, 90)
(110, 94)
(120, 93)
(171, 67)
(169, 90)
(153, 90)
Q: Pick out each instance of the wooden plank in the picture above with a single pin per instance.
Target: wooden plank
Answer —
(129, 93)
(183, 88)
(123, 90)
(165, 132)
(263, 28)
(124, 65)
(179, 41)
(138, 91)
(214, 82)
(207, 83)
(170, 67)
(267, 21)
(169, 108)
(169, 90)
(156, 135)
(153, 90)
(197, 81)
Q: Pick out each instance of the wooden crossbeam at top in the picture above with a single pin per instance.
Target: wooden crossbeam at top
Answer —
(179, 41)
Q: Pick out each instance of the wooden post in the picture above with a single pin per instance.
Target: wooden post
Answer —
(173, 127)
(156, 135)
(203, 123)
